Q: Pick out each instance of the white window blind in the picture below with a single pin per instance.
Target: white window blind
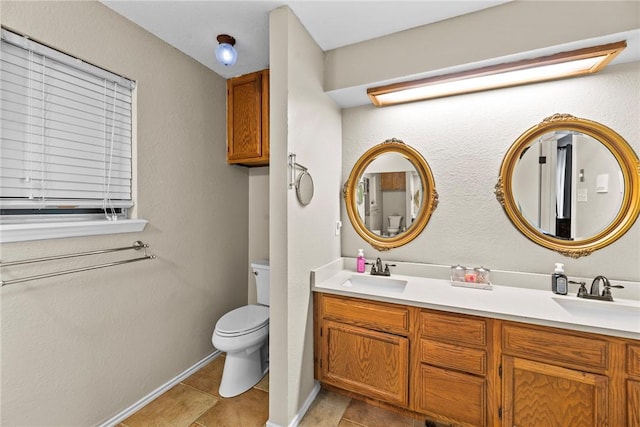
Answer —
(65, 131)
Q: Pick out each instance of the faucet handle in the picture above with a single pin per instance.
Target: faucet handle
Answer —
(582, 291)
(386, 268)
(373, 267)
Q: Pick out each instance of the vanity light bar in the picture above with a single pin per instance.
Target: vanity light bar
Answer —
(557, 66)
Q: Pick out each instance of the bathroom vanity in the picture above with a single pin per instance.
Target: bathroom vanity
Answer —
(508, 356)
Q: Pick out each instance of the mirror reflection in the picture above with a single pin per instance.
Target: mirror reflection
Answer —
(568, 185)
(571, 185)
(389, 194)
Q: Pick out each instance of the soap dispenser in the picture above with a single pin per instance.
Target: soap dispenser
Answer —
(559, 283)
(360, 261)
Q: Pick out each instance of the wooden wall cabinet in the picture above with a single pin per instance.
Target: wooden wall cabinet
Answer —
(248, 119)
(393, 181)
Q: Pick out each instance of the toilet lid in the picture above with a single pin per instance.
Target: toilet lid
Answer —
(243, 320)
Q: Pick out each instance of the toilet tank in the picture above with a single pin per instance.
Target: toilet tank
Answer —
(261, 274)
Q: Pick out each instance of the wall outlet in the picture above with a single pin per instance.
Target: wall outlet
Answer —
(338, 227)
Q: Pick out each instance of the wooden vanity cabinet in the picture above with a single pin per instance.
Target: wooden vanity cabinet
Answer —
(633, 384)
(248, 119)
(363, 347)
(555, 377)
(475, 371)
(452, 380)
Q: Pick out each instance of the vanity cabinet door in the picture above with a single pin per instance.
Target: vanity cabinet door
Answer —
(372, 363)
(538, 394)
(248, 119)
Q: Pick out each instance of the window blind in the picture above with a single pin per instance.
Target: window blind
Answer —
(65, 131)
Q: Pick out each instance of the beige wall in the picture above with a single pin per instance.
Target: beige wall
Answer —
(464, 139)
(78, 349)
(258, 222)
(507, 29)
(304, 121)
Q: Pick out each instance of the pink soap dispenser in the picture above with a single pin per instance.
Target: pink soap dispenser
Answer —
(360, 262)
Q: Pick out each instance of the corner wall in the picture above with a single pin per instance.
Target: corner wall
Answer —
(304, 121)
(78, 349)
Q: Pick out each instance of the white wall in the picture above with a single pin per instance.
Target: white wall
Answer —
(78, 349)
(304, 121)
(464, 139)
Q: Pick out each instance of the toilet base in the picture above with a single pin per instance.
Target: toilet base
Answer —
(244, 369)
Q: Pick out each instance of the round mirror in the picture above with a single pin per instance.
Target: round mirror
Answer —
(390, 195)
(304, 188)
(570, 185)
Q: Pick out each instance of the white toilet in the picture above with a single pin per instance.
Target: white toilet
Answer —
(395, 222)
(243, 334)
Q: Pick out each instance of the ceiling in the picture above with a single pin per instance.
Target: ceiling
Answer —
(192, 26)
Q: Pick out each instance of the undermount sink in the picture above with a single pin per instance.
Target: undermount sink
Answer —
(363, 283)
(622, 310)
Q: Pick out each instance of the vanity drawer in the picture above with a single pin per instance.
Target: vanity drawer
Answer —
(373, 315)
(469, 360)
(560, 346)
(461, 398)
(453, 328)
(633, 359)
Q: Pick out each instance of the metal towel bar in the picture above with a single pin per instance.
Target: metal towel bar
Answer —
(136, 245)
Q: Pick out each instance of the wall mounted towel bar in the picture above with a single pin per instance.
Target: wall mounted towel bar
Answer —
(136, 245)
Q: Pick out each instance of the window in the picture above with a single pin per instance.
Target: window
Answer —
(65, 141)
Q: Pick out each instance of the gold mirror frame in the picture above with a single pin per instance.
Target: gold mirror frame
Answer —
(428, 206)
(624, 155)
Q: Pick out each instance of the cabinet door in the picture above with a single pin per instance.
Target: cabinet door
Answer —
(633, 403)
(248, 119)
(393, 181)
(461, 398)
(539, 395)
(371, 363)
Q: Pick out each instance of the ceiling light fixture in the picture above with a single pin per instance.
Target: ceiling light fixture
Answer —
(225, 52)
(561, 65)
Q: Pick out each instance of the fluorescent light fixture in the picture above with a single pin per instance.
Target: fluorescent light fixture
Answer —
(558, 66)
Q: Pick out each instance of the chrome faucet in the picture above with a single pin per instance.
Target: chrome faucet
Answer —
(378, 270)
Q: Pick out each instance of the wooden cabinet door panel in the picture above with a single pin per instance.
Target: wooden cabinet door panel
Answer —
(375, 364)
(542, 395)
(461, 398)
(633, 360)
(633, 403)
(248, 119)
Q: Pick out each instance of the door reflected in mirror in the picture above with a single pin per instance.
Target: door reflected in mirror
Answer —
(571, 185)
(568, 185)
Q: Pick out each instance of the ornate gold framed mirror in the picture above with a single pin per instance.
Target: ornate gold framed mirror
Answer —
(570, 185)
(390, 195)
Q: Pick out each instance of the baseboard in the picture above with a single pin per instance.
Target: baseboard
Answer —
(303, 410)
(121, 416)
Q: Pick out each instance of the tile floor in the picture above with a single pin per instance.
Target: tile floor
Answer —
(195, 402)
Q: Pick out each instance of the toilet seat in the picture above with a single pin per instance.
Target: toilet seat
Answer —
(243, 321)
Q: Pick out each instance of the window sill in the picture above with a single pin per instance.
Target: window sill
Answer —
(57, 230)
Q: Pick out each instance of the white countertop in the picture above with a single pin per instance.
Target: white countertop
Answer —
(619, 318)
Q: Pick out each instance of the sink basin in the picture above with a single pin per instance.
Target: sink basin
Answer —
(619, 310)
(374, 284)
